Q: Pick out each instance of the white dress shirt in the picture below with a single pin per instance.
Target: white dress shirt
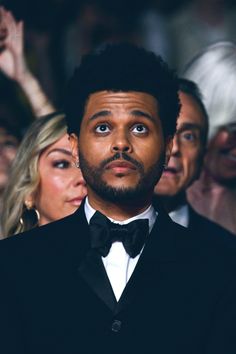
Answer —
(118, 264)
(180, 215)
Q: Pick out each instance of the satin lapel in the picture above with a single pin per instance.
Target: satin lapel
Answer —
(159, 248)
(94, 273)
(75, 247)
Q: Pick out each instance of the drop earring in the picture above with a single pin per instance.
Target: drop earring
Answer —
(32, 213)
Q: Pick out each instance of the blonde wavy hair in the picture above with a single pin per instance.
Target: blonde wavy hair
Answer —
(24, 176)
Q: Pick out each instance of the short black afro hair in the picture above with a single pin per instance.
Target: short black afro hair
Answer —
(123, 67)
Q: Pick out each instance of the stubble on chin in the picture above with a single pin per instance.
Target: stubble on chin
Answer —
(145, 185)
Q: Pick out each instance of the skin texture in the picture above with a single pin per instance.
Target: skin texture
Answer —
(12, 61)
(14, 65)
(220, 161)
(187, 152)
(122, 150)
(62, 187)
(8, 149)
(214, 193)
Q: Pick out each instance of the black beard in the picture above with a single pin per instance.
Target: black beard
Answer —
(146, 184)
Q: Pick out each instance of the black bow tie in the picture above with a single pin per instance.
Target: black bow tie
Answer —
(103, 233)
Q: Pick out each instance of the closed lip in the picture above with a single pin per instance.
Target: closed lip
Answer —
(75, 201)
(120, 164)
(172, 169)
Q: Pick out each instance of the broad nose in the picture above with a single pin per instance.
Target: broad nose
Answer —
(121, 142)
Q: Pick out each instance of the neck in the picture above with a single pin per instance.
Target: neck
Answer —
(118, 211)
(172, 203)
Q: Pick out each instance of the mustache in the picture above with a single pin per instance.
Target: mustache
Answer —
(122, 156)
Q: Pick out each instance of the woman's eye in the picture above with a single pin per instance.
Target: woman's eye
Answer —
(102, 128)
(140, 129)
(62, 164)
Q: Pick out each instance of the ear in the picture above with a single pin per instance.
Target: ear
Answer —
(169, 145)
(74, 145)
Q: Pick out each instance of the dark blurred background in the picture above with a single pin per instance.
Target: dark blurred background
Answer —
(59, 32)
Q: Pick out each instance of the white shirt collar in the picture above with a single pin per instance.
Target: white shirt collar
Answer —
(149, 214)
(180, 215)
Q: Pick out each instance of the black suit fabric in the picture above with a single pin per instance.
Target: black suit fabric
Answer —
(199, 223)
(56, 297)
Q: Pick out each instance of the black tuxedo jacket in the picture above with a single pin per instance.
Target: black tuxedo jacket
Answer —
(56, 297)
(199, 223)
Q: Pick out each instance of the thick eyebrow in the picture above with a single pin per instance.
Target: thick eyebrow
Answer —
(138, 113)
(100, 114)
(189, 126)
(63, 151)
(135, 112)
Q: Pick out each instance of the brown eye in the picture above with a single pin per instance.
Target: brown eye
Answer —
(61, 164)
(140, 129)
(188, 137)
(102, 128)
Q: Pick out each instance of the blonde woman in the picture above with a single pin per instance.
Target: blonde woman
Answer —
(44, 184)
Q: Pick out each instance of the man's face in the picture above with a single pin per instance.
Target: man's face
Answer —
(121, 145)
(186, 155)
(220, 160)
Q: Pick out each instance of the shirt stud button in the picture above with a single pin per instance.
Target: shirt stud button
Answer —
(116, 326)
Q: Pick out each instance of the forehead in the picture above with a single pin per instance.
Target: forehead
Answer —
(59, 145)
(121, 100)
(190, 111)
(62, 142)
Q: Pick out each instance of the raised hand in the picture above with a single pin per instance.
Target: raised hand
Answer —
(12, 61)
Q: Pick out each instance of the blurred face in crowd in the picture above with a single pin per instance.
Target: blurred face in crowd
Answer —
(220, 161)
(8, 149)
(187, 152)
(121, 145)
(62, 186)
